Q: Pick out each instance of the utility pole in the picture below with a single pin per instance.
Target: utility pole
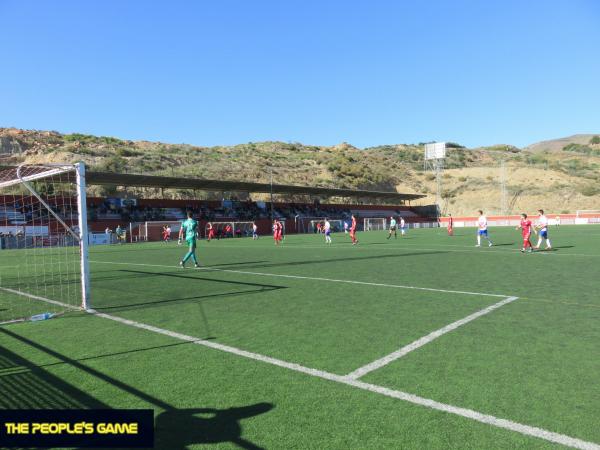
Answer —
(503, 193)
(271, 176)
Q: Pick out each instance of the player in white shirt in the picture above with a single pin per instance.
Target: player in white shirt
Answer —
(327, 231)
(482, 229)
(542, 227)
(402, 226)
(254, 231)
(345, 227)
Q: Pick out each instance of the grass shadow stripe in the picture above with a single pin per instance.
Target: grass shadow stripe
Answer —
(301, 277)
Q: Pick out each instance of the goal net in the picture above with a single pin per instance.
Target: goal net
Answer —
(223, 230)
(158, 230)
(587, 213)
(375, 224)
(43, 241)
(336, 225)
(586, 216)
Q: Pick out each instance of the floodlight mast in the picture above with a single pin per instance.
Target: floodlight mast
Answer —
(435, 154)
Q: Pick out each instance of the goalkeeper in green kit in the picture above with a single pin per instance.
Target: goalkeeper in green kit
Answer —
(189, 228)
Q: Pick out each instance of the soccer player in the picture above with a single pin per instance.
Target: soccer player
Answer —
(327, 231)
(525, 227)
(353, 231)
(542, 227)
(211, 231)
(345, 227)
(557, 221)
(392, 228)
(277, 227)
(166, 234)
(254, 231)
(189, 230)
(482, 229)
(119, 233)
(450, 225)
(402, 226)
(319, 227)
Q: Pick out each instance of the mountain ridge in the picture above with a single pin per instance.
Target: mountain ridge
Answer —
(540, 175)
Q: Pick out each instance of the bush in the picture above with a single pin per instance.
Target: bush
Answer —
(126, 152)
(578, 148)
(78, 137)
(589, 190)
(595, 140)
(114, 164)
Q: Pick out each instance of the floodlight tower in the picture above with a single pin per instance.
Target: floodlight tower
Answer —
(503, 192)
(435, 154)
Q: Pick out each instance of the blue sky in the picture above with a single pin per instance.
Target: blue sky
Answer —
(317, 72)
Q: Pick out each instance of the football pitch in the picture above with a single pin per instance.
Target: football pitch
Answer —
(417, 342)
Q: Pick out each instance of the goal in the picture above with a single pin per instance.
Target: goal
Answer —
(43, 241)
(337, 225)
(587, 213)
(153, 230)
(587, 216)
(229, 229)
(375, 224)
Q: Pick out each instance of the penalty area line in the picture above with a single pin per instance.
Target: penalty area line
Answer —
(497, 422)
(381, 362)
(300, 277)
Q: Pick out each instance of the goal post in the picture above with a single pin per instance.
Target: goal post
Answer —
(153, 230)
(229, 229)
(337, 225)
(587, 213)
(44, 267)
(374, 223)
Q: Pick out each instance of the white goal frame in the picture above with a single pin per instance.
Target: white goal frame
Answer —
(143, 229)
(82, 235)
(220, 225)
(339, 222)
(581, 212)
(381, 223)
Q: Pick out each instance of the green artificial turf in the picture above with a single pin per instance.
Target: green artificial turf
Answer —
(535, 361)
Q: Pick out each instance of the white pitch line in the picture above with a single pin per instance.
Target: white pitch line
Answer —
(362, 371)
(37, 297)
(410, 398)
(300, 277)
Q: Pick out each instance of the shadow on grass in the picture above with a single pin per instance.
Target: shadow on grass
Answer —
(26, 385)
(205, 426)
(337, 260)
(141, 305)
(181, 274)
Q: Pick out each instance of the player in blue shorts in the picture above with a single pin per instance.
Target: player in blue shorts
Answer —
(482, 225)
(327, 228)
(542, 227)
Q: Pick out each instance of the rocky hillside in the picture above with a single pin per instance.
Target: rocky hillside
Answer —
(559, 179)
